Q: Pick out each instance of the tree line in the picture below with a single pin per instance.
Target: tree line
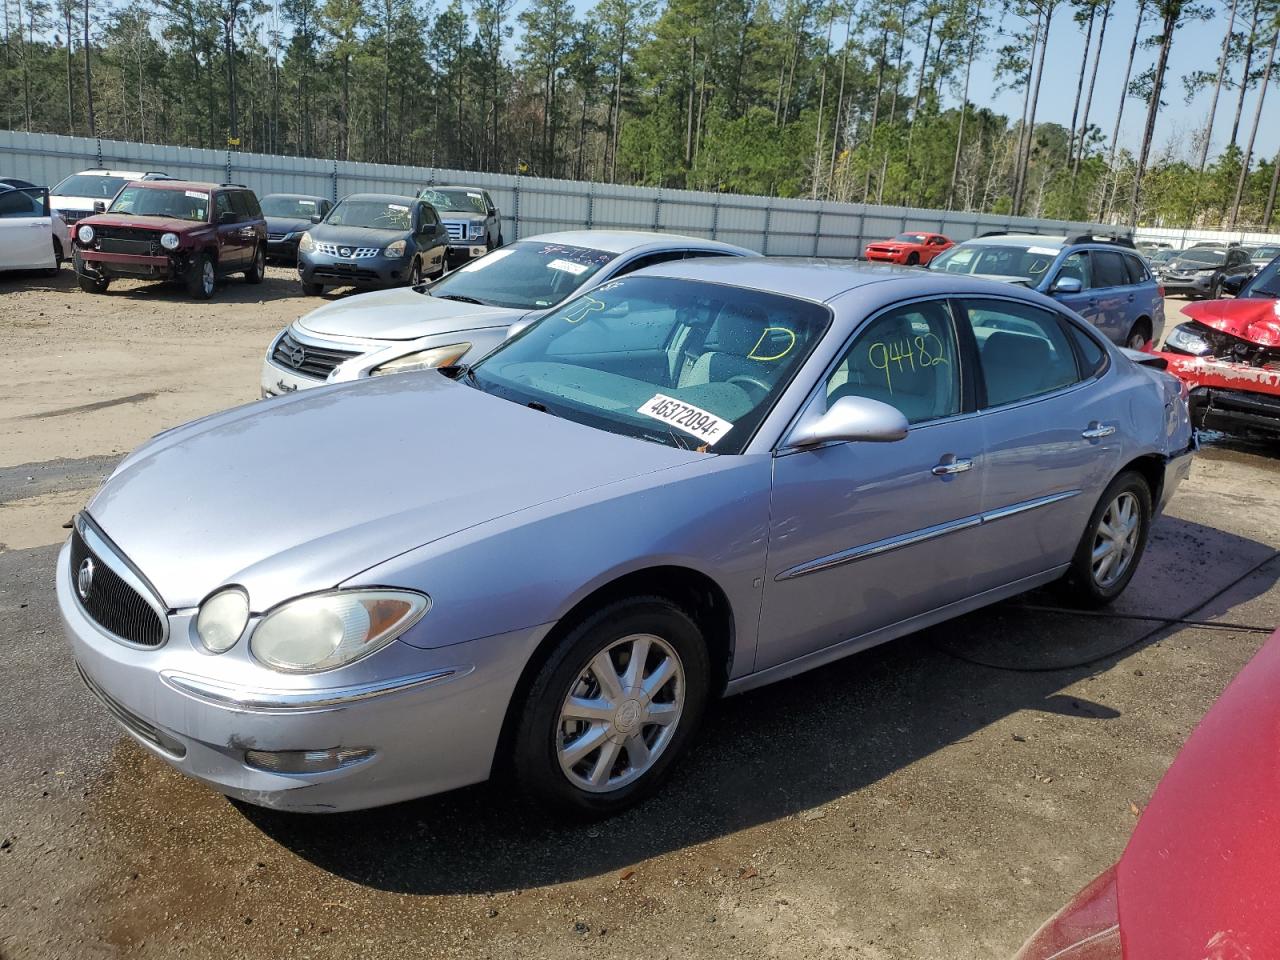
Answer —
(856, 100)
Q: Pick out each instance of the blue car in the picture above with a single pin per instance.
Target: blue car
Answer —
(1104, 279)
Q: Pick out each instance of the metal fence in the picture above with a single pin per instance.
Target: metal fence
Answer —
(531, 205)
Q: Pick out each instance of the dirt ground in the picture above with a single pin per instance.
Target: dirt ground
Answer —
(937, 797)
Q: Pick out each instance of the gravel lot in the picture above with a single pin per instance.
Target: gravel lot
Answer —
(937, 797)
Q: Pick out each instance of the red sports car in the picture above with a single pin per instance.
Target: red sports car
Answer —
(1198, 880)
(908, 248)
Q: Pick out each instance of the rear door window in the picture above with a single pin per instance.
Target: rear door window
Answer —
(1024, 352)
(1137, 269)
(222, 204)
(1108, 269)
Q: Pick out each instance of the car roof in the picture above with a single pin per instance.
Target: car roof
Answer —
(821, 280)
(127, 174)
(1022, 239)
(186, 185)
(454, 186)
(295, 196)
(381, 197)
(630, 241)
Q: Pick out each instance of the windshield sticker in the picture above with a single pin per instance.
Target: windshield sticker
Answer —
(488, 260)
(1043, 251)
(398, 206)
(580, 310)
(773, 353)
(699, 423)
(196, 196)
(568, 266)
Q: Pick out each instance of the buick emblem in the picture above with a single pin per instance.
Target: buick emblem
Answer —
(345, 252)
(84, 578)
(295, 353)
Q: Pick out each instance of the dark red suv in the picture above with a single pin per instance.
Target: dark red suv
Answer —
(173, 230)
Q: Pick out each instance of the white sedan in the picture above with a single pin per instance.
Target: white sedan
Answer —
(32, 237)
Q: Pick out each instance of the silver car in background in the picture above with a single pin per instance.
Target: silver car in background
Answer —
(687, 482)
(467, 313)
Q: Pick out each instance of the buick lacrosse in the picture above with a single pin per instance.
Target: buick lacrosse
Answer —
(682, 484)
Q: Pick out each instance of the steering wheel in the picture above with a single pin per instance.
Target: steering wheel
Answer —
(756, 389)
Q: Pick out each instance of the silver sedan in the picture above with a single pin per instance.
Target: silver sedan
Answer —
(685, 483)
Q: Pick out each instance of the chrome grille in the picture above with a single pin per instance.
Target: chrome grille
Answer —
(457, 231)
(111, 602)
(276, 236)
(347, 252)
(308, 359)
(131, 240)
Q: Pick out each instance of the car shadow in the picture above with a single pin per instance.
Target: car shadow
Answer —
(781, 750)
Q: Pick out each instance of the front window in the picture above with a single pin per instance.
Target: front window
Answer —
(680, 362)
(292, 208)
(142, 201)
(1265, 283)
(528, 275)
(82, 185)
(1004, 261)
(455, 201)
(1266, 253)
(372, 214)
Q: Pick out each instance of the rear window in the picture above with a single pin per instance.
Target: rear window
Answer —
(1090, 355)
(1137, 270)
(1109, 269)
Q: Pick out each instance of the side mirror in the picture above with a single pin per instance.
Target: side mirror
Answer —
(850, 418)
(1067, 285)
(1235, 283)
(316, 218)
(99, 206)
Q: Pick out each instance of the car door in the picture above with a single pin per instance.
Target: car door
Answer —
(866, 535)
(1112, 291)
(1076, 266)
(493, 224)
(1048, 435)
(231, 245)
(26, 230)
(430, 237)
(1238, 263)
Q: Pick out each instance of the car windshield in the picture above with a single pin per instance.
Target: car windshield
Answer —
(1007, 260)
(141, 201)
(455, 201)
(1160, 256)
(1265, 283)
(680, 362)
(911, 238)
(295, 208)
(1205, 255)
(87, 185)
(1266, 253)
(526, 276)
(374, 214)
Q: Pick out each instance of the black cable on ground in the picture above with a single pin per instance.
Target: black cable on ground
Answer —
(1163, 623)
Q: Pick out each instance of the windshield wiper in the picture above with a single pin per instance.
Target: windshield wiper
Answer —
(462, 299)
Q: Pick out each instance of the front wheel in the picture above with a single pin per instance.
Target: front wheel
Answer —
(312, 289)
(415, 273)
(913, 259)
(89, 282)
(1113, 543)
(201, 277)
(258, 269)
(612, 707)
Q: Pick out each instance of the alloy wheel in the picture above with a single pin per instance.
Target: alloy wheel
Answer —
(206, 277)
(621, 713)
(1116, 539)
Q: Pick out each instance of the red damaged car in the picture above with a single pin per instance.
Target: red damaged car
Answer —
(1198, 880)
(1228, 355)
(908, 248)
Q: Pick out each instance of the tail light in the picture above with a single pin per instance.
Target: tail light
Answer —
(1160, 291)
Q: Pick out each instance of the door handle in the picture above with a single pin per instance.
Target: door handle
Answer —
(1097, 431)
(952, 466)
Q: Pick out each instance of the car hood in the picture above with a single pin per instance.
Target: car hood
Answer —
(1257, 321)
(1191, 265)
(1198, 877)
(402, 314)
(356, 236)
(288, 224)
(166, 224)
(303, 492)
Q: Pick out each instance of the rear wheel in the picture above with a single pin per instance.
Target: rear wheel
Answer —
(1113, 543)
(614, 704)
(201, 277)
(258, 268)
(89, 282)
(1138, 336)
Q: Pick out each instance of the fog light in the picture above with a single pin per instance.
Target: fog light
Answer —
(306, 761)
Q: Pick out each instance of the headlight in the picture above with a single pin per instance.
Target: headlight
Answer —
(169, 241)
(422, 360)
(305, 242)
(222, 618)
(85, 234)
(394, 249)
(1185, 339)
(476, 231)
(330, 630)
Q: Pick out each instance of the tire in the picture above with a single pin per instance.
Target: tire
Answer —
(57, 259)
(89, 283)
(312, 289)
(258, 269)
(1215, 289)
(595, 784)
(1139, 335)
(1085, 584)
(415, 273)
(913, 259)
(500, 240)
(201, 277)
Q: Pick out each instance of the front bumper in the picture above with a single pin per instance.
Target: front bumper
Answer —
(366, 272)
(431, 716)
(282, 249)
(882, 256)
(1231, 397)
(164, 267)
(1196, 283)
(462, 250)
